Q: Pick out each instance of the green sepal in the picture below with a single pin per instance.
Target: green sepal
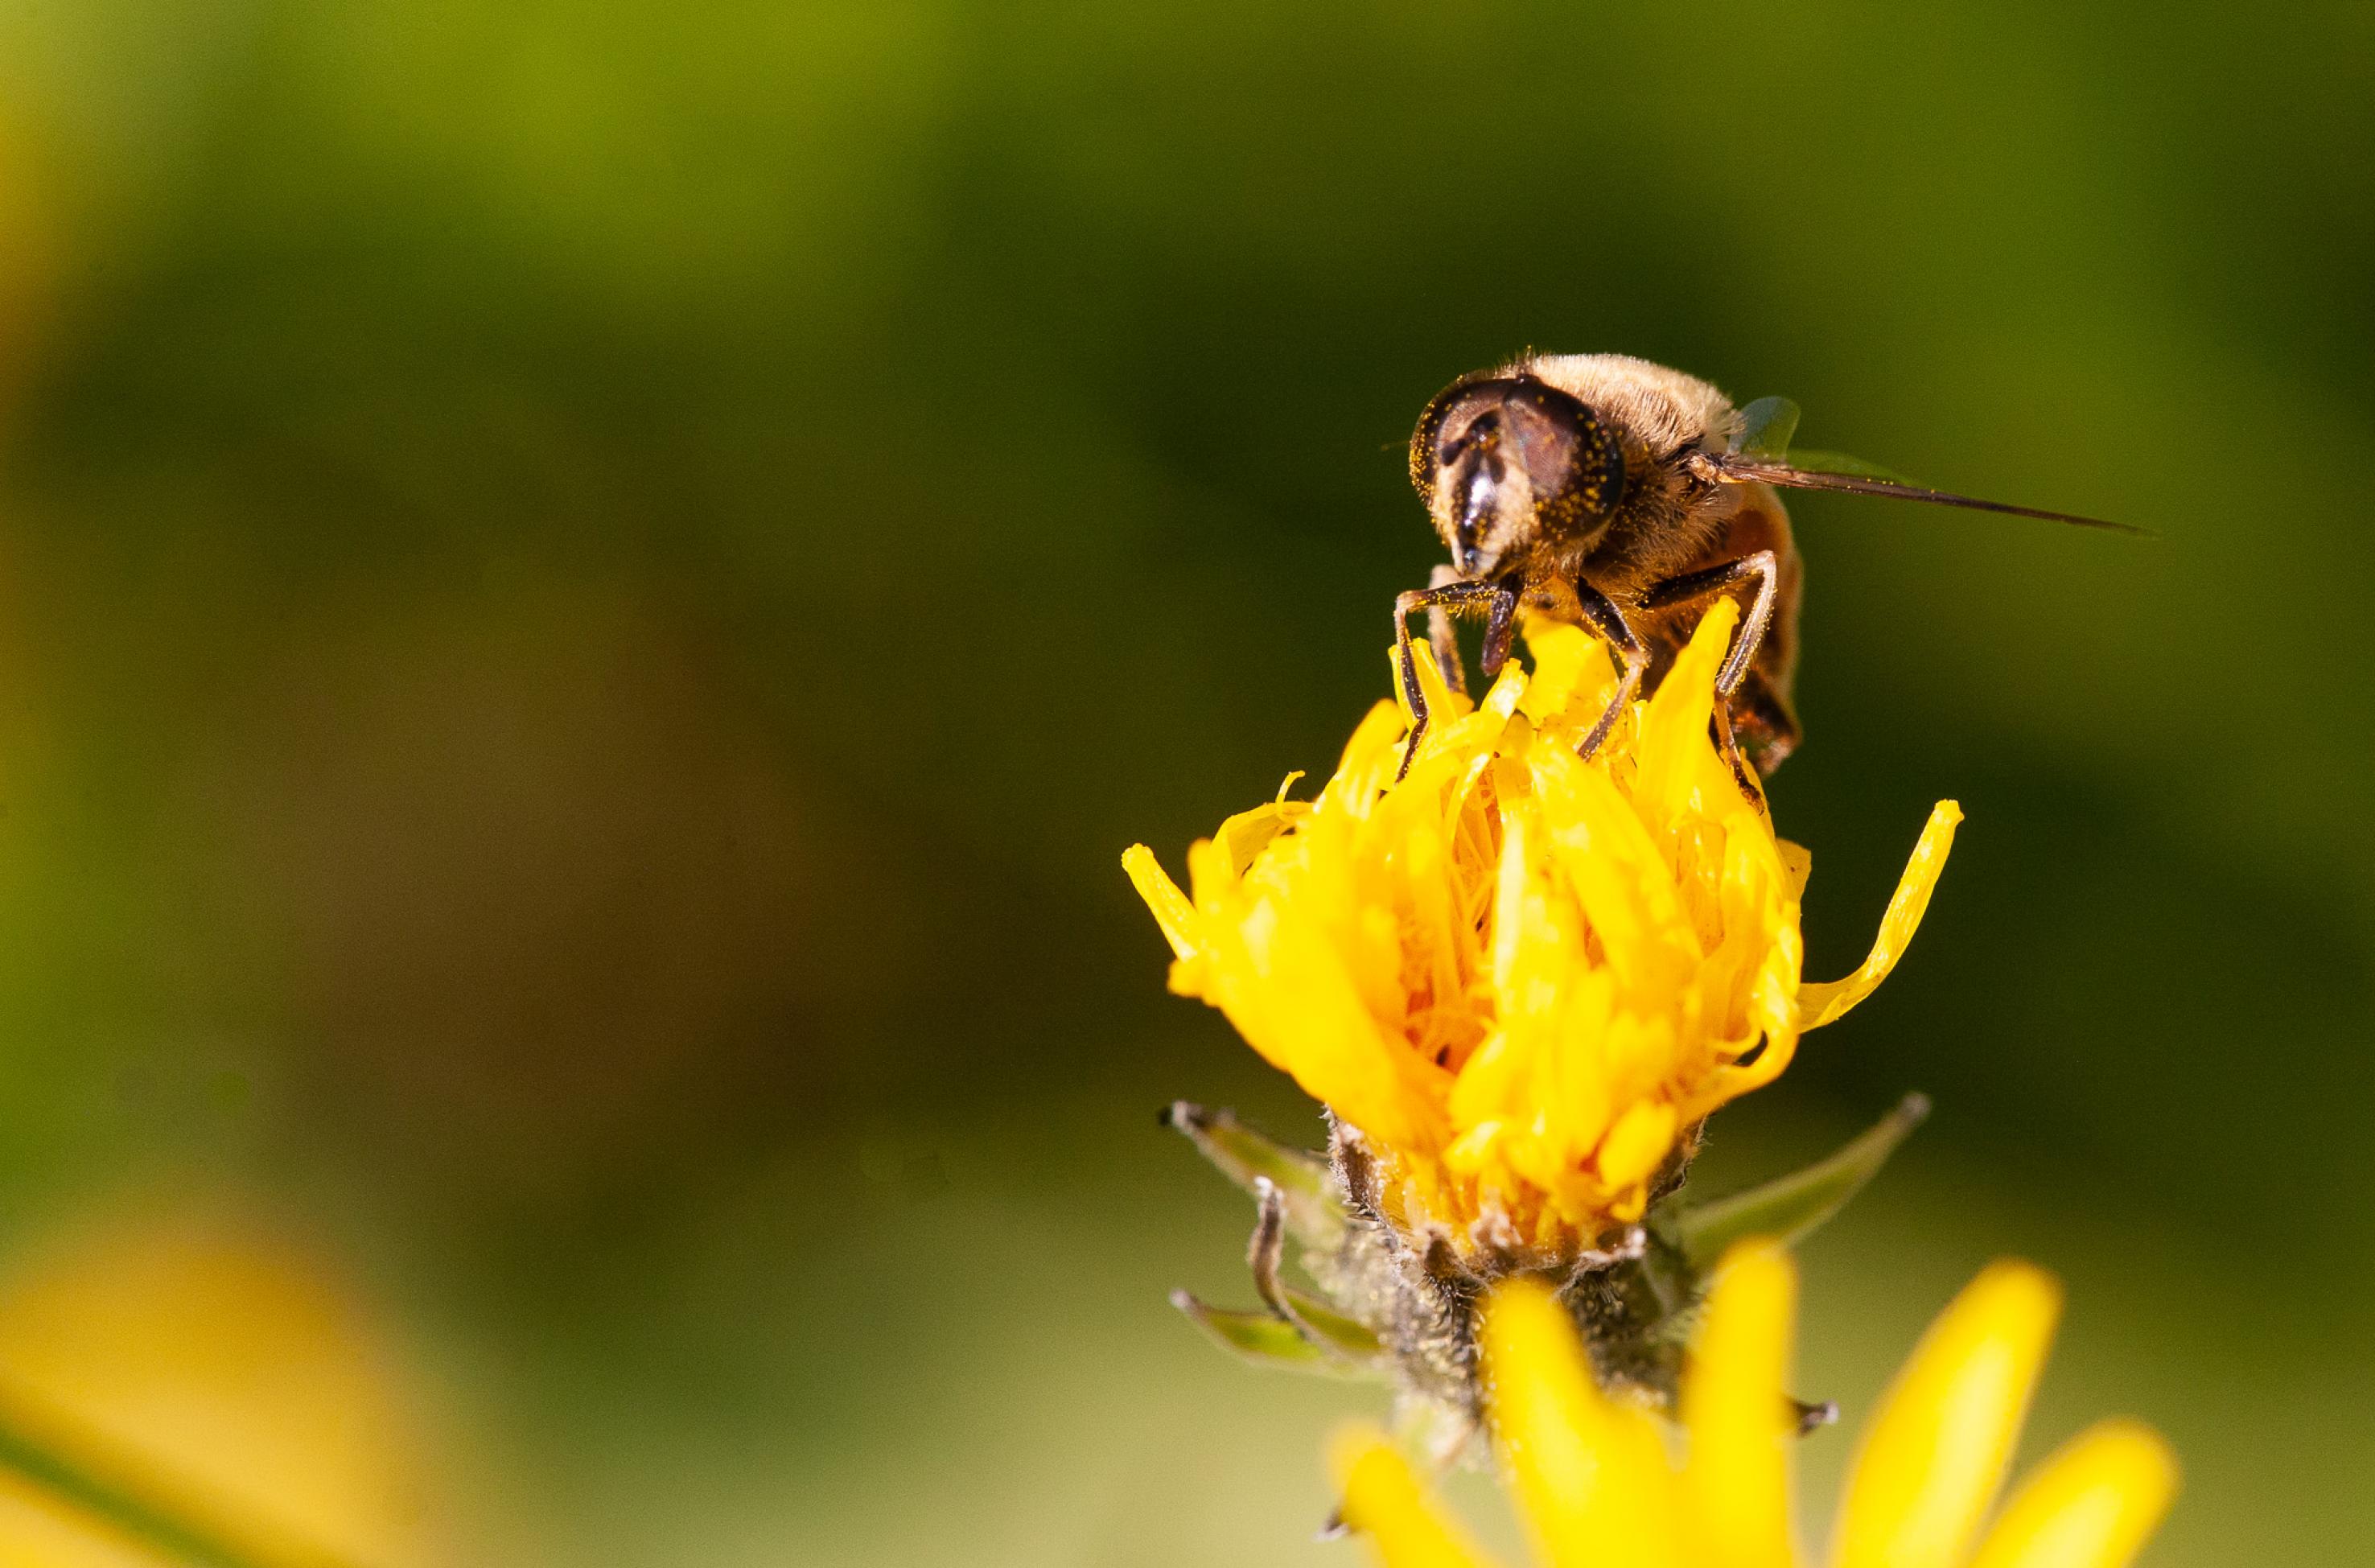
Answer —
(1263, 1338)
(1766, 427)
(1789, 1208)
(1335, 1332)
(1314, 1217)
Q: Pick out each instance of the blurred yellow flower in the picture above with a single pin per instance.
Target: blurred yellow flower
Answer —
(1523, 977)
(1598, 1491)
(212, 1389)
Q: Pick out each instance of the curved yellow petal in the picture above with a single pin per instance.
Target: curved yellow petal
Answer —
(1827, 1001)
(1384, 1503)
(1590, 1475)
(2093, 1505)
(1172, 910)
(1931, 1460)
(1736, 1483)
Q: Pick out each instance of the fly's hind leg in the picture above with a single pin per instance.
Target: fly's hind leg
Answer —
(1440, 633)
(1731, 576)
(1764, 722)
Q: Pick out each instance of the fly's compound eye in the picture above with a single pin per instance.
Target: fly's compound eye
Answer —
(1426, 441)
(1481, 433)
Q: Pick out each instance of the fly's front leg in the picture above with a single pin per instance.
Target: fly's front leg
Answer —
(1732, 575)
(1610, 622)
(1500, 626)
(1442, 635)
(1447, 598)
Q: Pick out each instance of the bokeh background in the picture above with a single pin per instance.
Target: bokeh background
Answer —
(589, 595)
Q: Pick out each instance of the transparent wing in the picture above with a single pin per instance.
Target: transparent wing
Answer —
(1808, 460)
(1766, 427)
(1863, 480)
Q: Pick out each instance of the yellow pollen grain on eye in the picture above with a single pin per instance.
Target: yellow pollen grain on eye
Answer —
(1523, 975)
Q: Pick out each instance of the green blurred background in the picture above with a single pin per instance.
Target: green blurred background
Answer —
(589, 595)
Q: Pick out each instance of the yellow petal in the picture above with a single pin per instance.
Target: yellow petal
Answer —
(1568, 662)
(1243, 835)
(1371, 756)
(1933, 1459)
(1442, 703)
(1382, 1500)
(1591, 1476)
(2093, 1505)
(1737, 1483)
(1827, 1002)
(1509, 692)
(1636, 1143)
(1511, 929)
(1619, 879)
(1673, 743)
(1284, 984)
(1172, 910)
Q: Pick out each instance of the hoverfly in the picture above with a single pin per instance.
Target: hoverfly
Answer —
(1615, 493)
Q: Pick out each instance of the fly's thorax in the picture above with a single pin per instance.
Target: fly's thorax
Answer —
(1666, 409)
(1672, 522)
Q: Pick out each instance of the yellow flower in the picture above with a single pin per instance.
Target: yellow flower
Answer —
(185, 1388)
(1598, 1488)
(1524, 978)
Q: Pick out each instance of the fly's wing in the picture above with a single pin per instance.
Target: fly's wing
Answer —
(1761, 454)
(1766, 427)
(1793, 475)
(1807, 460)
